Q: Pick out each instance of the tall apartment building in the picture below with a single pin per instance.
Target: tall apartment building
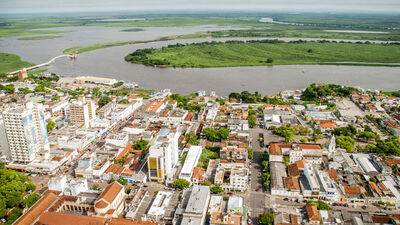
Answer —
(82, 111)
(4, 148)
(163, 155)
(26, 132)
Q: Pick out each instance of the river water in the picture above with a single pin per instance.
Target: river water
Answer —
(109, 62)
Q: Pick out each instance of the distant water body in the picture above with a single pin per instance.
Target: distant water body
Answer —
(109, 62)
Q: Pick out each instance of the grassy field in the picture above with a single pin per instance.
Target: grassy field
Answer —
(45, 37)
(205, 156)
(256, 54)
(11, 62)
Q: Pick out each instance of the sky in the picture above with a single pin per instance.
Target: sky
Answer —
(37, 6)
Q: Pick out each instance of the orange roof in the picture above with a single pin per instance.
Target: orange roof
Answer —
(218, 218)
(126, 150)
(294, 219)
(172, 102)
(352, 190)
(275, 148)
(328, 125)
(198, 173)
(309, 146)
(56, 218)
(165, 113)
(381, 186)
(119, 221)
(392, 162)
(293, 170)
(37, 209)
(375, 188)
(312, 212)
(115, 169)
(150, 105)
(292, 183)
(101, 204)
(57, 158)
(300, 164)
(156, 107)
(111, 192)
(332, 174)
(189, 116)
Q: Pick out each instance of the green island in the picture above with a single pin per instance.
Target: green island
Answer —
(266, 52)
(10, 62)
(34, 38)
(132, 30)
(81, 49)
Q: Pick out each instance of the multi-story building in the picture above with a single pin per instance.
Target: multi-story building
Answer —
(82, 111)
(233, 154)
(26, 132)
(111, 202)
(163, 155)
(191, 161)
(4, 148)
(196, 209)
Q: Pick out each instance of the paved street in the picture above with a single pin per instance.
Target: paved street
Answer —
(256, 200)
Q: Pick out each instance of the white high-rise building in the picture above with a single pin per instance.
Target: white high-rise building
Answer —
(4, 149)
(163, 155)
(26, 132)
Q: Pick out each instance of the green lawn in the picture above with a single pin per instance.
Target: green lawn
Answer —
(39, 37)
(11, 62)
(256, 54)
(206, 155)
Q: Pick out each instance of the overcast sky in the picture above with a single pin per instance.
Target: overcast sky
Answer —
(12, 6)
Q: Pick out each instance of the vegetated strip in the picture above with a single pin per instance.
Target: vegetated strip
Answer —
(267, 52)
(39, 37)
(10, 62)
(81, 49)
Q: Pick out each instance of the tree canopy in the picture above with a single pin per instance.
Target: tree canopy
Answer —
(191, 138)
(216, 190)
(216, 135)
(181, 183)
(266, 219)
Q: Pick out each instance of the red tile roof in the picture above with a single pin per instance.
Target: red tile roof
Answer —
(56, 218)
(292, 183)
(111, 192)
(352, 190)
(37, 209)
(312, 213)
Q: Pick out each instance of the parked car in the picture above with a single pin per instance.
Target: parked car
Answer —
(364, 207)
(285, 199)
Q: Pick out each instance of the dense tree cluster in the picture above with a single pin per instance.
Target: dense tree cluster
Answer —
(320, 205)
(183, 102)
(141, 144)
(103, 101)
(8, 89)
(252, 121)
(13, 185)
(216, 135)
(192, 138)
(181, 184)
(216, 190)
(315, 92)
(345, 131)
(266, 219)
